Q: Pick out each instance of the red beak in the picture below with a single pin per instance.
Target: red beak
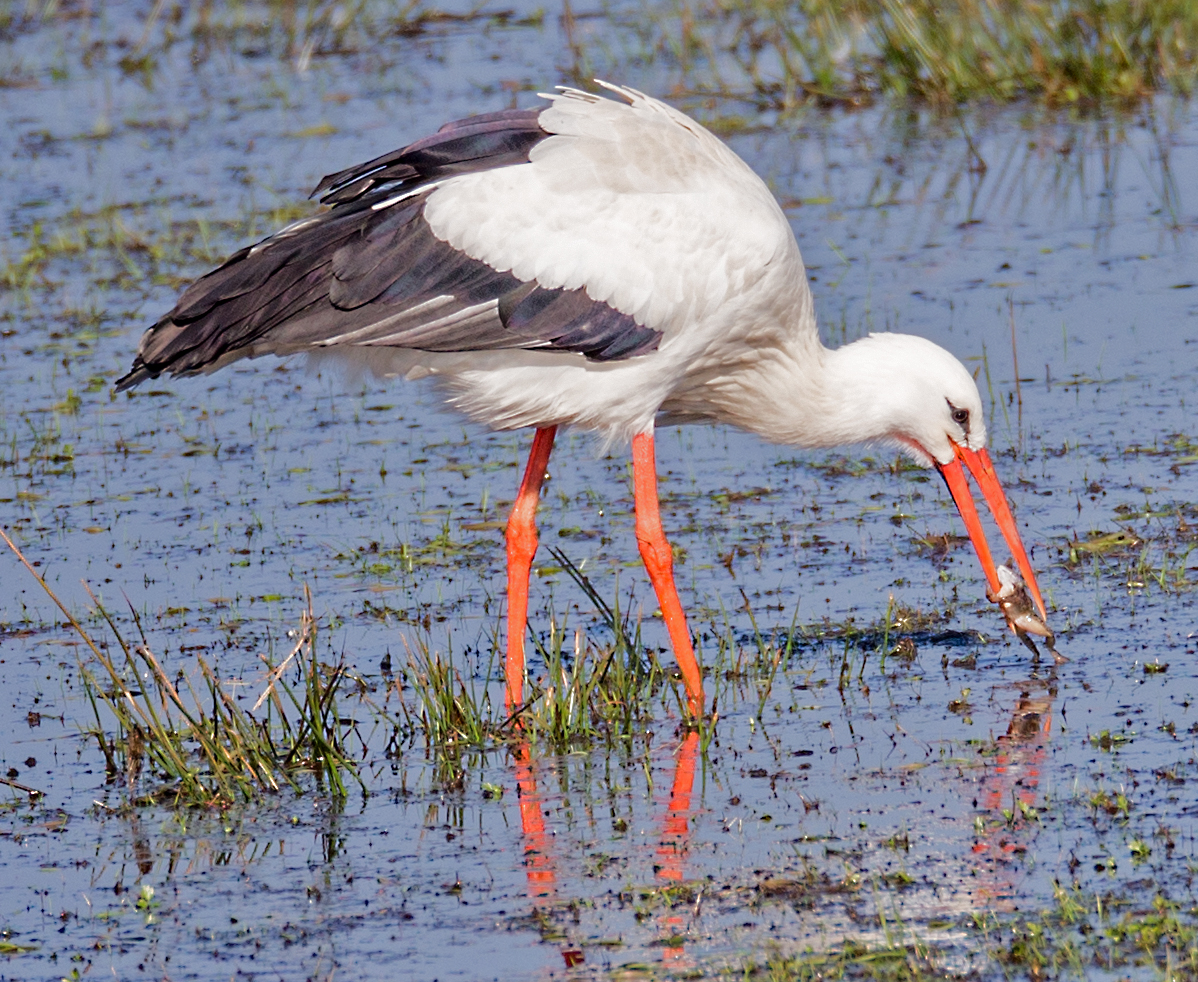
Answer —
(978, 462)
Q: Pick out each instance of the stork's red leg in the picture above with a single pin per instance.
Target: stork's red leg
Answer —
(659, 563)
(521, 547)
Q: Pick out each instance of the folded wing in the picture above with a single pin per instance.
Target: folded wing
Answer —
(371, 272)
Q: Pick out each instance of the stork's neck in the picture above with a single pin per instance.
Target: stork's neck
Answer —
(811, 396)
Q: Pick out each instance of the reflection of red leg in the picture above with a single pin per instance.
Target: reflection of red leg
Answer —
(676, 826)
(659, 563)
(542, 881)
(521, 547)
(1014, 779)
(538, 862)
(676, 834)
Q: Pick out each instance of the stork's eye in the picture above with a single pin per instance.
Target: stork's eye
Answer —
(961, 417)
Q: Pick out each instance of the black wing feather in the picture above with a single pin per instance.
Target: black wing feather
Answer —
(478, 143)
(233, 279)
(369, 271)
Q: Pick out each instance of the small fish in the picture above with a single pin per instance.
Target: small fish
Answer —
(1017, 607)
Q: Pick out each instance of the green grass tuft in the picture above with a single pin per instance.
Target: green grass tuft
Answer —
(942, 52)
(185, 742)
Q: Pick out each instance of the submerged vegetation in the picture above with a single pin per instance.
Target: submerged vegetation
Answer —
(1081, 934)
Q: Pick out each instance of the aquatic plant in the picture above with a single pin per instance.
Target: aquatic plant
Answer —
(155, 730)
(450, 709)
(587, 692)
(943, 53)
(217, 756)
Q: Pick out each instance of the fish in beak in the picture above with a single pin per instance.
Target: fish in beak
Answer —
(978, 462)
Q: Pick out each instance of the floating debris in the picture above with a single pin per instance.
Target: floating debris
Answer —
(1103, 544)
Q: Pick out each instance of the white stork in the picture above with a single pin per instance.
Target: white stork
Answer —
(600, 263)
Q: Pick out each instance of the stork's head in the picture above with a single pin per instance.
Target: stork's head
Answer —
(918, 396)
(929, 401)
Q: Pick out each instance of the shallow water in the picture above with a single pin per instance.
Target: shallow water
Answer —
(858, 787)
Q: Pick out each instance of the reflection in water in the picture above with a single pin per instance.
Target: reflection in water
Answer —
(673, 842)
(1010, 789)
(676, 822)
(1083, 176)
(142, 851)
(538, 861)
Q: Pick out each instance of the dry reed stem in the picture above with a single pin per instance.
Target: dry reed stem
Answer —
(276, 673)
